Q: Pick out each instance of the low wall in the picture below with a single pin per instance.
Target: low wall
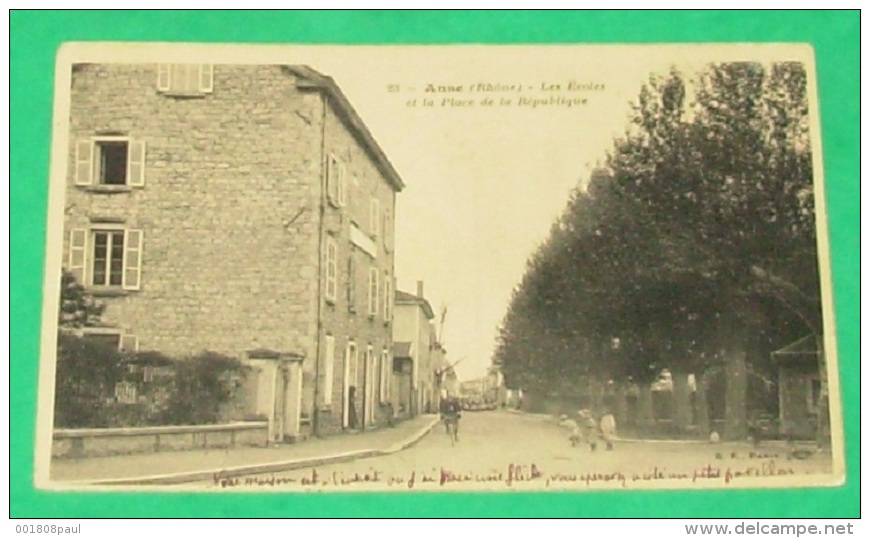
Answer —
(89, 442)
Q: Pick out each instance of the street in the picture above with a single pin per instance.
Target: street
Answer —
(499, 450)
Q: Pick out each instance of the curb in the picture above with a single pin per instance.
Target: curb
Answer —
(271, 467)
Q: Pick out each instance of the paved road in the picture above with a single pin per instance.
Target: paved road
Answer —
(499, 450)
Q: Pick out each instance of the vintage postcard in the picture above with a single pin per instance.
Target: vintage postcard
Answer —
(437, 268)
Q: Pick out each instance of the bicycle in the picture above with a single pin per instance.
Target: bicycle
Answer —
(452, 427)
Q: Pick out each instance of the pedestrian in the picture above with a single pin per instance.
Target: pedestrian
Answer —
(608, 429)
(588, 428)
(576, 435)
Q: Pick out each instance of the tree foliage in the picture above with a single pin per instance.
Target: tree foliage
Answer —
(699, 231)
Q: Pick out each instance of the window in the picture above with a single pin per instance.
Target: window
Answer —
(185, 79)
(106, 257)
(373, 291)
(385, 376)
(328, 369)
(387, 233)
(374, 217)
(335, 181)
(351, 283)
(388, 297)
(112, 337)
(110, 161)
(331, 260)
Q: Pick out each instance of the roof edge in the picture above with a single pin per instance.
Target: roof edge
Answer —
(348, 114)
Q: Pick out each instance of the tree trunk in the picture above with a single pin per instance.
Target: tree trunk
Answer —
(620, 408)
(735, 392)
(702, 409)
(682, 400)
(645, 405)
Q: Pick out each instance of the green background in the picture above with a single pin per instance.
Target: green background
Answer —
(34, 41)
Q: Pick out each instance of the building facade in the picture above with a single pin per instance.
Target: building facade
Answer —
(241, 209)
(413, 333)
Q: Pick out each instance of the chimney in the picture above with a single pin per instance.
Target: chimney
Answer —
(420, 289)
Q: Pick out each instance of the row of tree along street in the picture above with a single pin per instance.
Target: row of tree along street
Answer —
(692, 250)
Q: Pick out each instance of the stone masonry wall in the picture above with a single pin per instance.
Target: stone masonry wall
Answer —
(229, 208)
(363, 182)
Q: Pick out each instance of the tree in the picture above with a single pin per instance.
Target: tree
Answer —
(77, 307)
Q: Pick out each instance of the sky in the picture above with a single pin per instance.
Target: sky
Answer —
(483, 182)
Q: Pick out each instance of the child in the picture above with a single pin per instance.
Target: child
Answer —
(576, 436)
(589, 428)
(608, 429)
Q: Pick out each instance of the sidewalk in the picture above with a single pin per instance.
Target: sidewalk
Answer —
(197, 465)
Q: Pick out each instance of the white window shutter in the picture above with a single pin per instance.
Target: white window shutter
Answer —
(136, 164)
(374, 216)
(132, 259)
(342, 187)
(331, 182)
(329, 365)
(163, 77)
(84, 162)
(78, 244)
(130, 343)
(206, 78)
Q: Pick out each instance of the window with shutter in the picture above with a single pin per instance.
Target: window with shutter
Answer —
(110, 162)
(332, 180)
(351, 283)
(331, 260)
(388, 297)
(374, 217)
(373, 291)
(328, 369)
(188, 80)
(342, 185)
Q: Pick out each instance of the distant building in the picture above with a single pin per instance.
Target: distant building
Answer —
(243, 209)
(413, 364)
(800, 388)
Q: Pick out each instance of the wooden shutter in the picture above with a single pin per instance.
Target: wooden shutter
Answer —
(132, 259)
(342, 186)
(136, 163)
(206, 78)
(163, 77)
(78, 244)
(331, 254)
(331, 181)
(130, 343)
(351, 283)
(374, 216)
(84, 162)
(388, 299)
(328, 369)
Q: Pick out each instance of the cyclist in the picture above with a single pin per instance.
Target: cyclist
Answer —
(451, 412)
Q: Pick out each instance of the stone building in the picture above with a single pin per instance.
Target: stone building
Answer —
(241, 209)
(414, 352)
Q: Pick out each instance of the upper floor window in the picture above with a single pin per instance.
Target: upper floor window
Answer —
(106, 257)
(373, 291)
(110, 161)
(185, 79)
(374, 217)
(330, 287)
(335, 181)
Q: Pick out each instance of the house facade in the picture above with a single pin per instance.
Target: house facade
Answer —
(241, 209)
(413, 333)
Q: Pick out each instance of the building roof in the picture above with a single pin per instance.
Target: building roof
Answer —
(315, 80)
(403, 297)
(402, 350)
(803, 348)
